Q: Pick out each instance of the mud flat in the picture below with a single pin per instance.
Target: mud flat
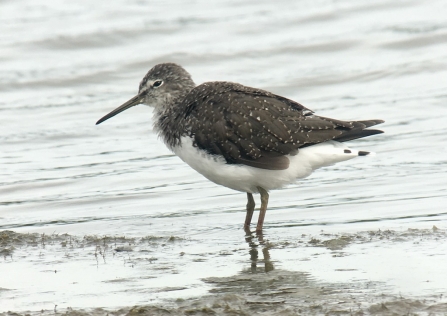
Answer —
(99, 275)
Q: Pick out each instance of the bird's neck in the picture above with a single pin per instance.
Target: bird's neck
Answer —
(169, 119)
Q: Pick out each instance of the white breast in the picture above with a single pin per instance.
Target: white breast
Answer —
(246, 179)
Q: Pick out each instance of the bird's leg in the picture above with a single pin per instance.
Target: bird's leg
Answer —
(250, 210)
(263, 210)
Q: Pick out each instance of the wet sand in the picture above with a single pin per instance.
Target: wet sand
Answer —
(259, 289)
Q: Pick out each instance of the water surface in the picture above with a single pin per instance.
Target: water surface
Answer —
(63, 66)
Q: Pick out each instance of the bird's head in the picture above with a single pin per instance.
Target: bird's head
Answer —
(163, 83)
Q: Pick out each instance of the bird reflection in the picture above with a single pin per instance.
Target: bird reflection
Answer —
(256, 241)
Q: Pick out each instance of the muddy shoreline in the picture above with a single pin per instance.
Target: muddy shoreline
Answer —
(262, 288)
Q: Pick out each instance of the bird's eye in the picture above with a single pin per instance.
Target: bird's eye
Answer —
(157, 83)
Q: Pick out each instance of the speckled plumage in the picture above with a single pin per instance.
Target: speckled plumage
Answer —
(228, 123)
(248, 126)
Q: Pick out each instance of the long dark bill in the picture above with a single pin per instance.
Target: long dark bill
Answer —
(138, 99)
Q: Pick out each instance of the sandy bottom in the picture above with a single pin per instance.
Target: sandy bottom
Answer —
(259, 289)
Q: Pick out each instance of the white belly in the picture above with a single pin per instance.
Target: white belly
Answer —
(246, 179)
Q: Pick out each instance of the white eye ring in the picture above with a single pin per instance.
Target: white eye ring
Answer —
(157, 83)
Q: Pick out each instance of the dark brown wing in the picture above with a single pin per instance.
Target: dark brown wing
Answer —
(257, 128)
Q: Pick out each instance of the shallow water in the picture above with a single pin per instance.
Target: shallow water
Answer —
(63, 66)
